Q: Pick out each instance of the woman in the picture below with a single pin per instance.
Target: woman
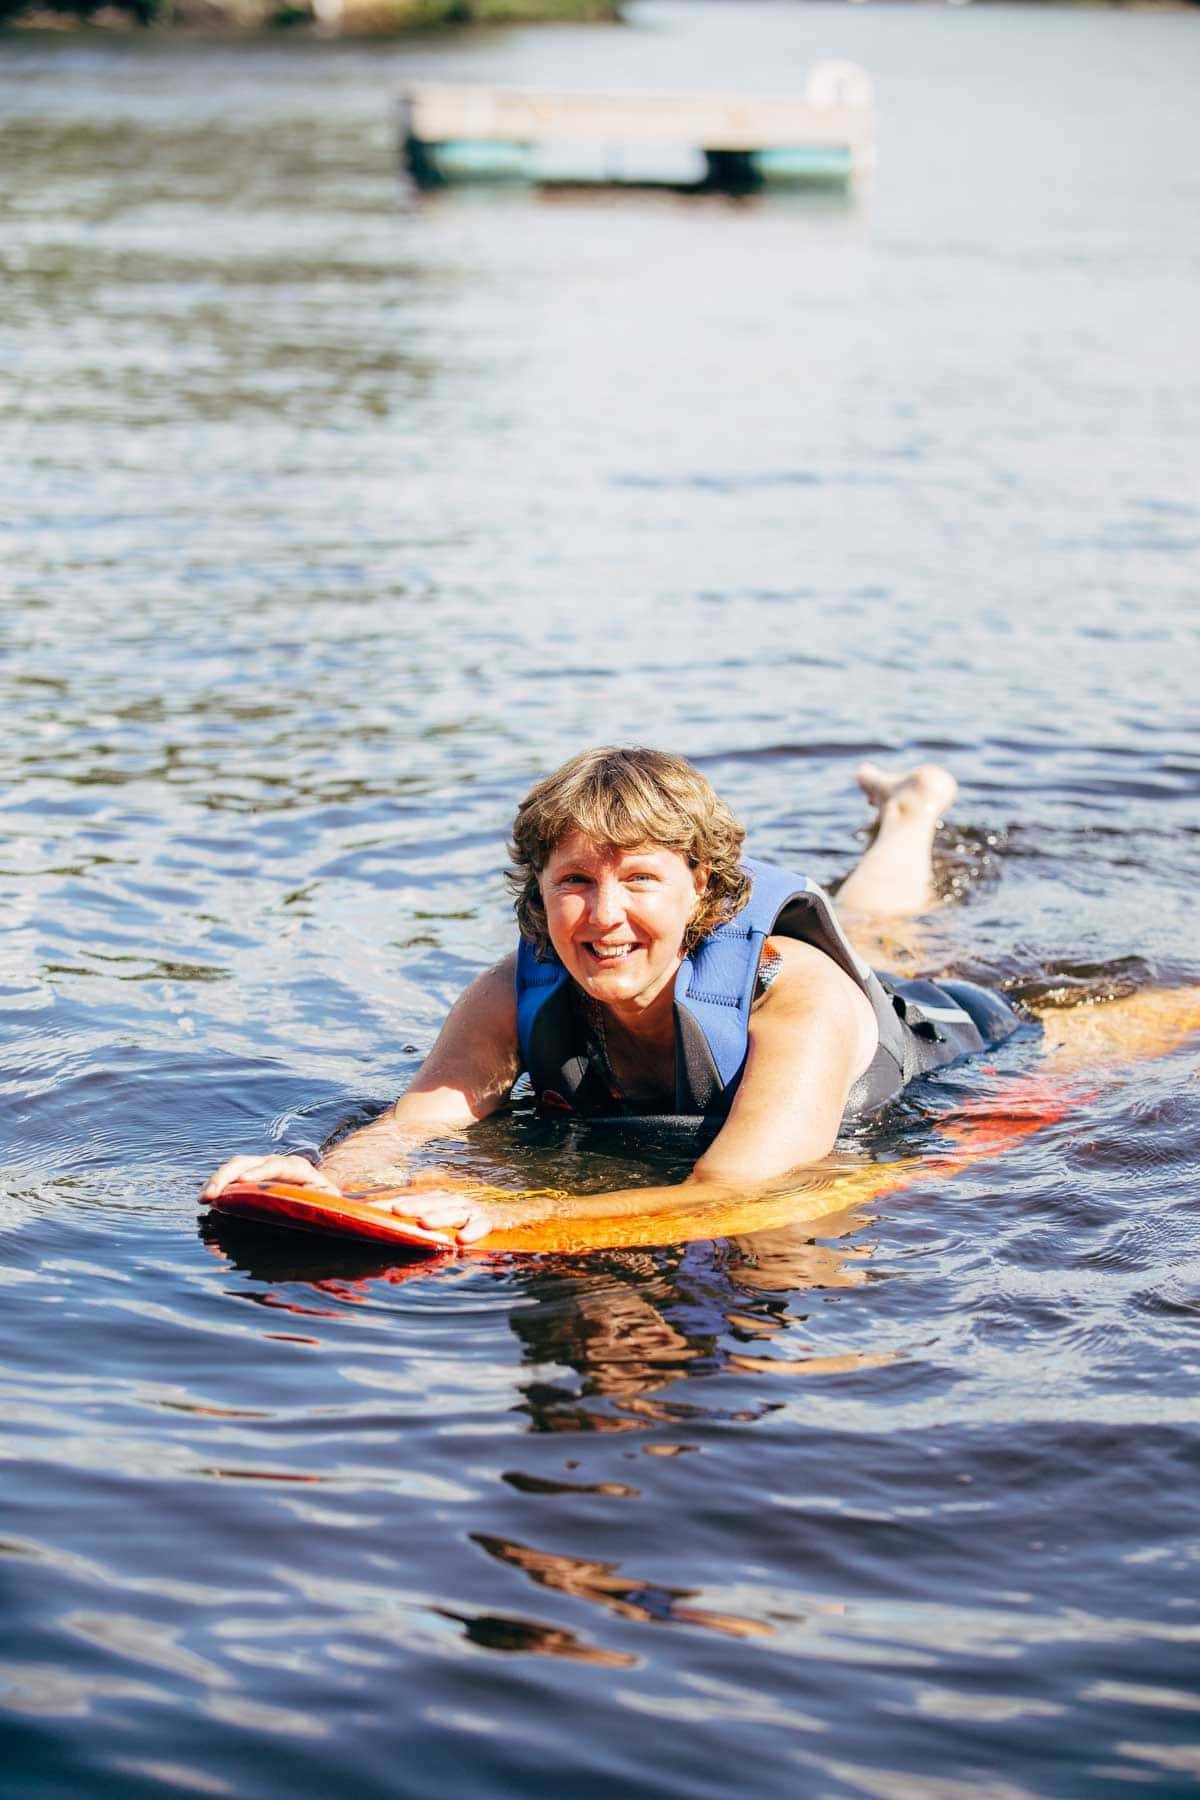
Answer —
(658, 974)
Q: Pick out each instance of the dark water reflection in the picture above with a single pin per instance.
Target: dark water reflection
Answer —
(327, 522)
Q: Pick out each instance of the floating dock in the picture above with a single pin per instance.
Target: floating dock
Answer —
(692, 142)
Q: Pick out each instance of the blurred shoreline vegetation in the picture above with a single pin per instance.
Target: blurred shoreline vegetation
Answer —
(333, 18)
(327, 17)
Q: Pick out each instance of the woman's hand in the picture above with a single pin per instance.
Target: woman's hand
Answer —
(257, 1169)
(440, 1204)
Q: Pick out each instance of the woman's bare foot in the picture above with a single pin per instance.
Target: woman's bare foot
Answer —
(927, 789)
(894, 879)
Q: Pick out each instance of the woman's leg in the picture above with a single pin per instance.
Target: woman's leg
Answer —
(894, 876)
(880, 900)
(893, 881)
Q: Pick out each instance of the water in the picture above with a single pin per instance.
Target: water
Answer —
(330, 521)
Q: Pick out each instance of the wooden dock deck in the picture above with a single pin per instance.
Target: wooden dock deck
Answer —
(704, 142)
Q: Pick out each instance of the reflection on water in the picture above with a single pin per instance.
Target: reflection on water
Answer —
(627, 1597)
(331, 518)
(525, 1637)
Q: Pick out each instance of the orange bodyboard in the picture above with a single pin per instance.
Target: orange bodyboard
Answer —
(300, 1208)
(978, 1132)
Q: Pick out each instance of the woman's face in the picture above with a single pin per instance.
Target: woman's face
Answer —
(617, 917)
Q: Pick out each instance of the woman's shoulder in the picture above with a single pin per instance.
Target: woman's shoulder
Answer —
(793, 971)
(810, 1001)
(788, 957)
(492, 994)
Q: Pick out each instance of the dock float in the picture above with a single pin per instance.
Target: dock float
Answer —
(825, 136)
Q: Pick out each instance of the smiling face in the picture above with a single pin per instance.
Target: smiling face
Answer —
(617, 917)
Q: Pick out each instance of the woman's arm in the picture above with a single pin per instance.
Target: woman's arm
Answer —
(811, 1035)
(466, 1076)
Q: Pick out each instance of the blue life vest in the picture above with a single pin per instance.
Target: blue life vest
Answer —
(921, 1025)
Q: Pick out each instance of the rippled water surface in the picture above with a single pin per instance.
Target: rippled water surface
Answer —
(330, 520)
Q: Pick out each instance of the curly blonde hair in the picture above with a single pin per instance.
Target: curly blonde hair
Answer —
(626, 798)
